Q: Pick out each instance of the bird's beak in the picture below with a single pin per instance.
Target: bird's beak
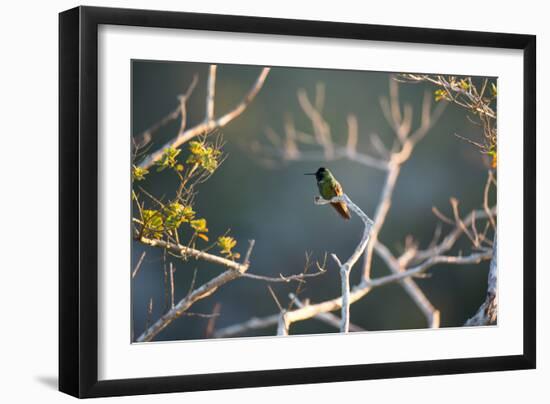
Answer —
(310, 174)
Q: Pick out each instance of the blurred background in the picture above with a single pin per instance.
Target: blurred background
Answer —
(273, 204)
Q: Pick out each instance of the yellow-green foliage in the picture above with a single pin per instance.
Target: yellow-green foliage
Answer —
(169, 219)
(176, 214)
(440, 94)
(138, 173)
(203, 155)
(226, 245)
(153, 225)
(168, 159)
(464, 84)
(199, 225)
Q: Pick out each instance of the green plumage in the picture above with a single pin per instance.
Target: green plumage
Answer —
(328, 186)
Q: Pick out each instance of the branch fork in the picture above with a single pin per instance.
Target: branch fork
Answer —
(346, 267)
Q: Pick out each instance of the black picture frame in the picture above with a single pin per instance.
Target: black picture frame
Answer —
(78, 196)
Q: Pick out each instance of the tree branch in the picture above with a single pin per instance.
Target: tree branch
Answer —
(327, 318)
(488, 312)
(346, 267)
(430, 312)
(358, 292)
(185, 252)
(401, 122)
(235, 271)
(210, 123)
(210, 93)
(254, 323)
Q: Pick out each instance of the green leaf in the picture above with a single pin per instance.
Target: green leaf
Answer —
(168, 158)
(199, 225)
(153, 224)
(175, 214)
(203, 155)
(138, 173)
(440, 94)
(464, 84)
(226, 244)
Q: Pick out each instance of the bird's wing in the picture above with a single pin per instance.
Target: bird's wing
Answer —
(340, 207)
(338, 189)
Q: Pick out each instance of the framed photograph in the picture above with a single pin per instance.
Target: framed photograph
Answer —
(194, 252)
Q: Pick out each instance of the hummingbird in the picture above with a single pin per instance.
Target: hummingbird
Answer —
(329, 188)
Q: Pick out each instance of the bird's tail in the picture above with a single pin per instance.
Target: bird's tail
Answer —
(342, 209)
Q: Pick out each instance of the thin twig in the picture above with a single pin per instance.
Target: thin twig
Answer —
(211, 325)
(210, 93)
(284, 278)
(275, 299)
(138, 265)
(149, 313)
(172, 270)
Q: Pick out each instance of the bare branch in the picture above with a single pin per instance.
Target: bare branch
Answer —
(466, 94)
(339, 152)
(319, 96)
(429, 119)
(487, 312)
(203, 291)
(394, 104)
(284, 278)
(290, 148)
(235, 270)
(185, 252)
(138, 265)
(358, 292)
(412, 289)
(320, 126)
(211, 124)
(327, 318)
(441, 216)
(471, 98)
(275, 299)
(346, 267)
(474, 258)
(172, 270)
(490, 179)
(211, 325)
(239, 109)
(282, 324)
(382, 209)
(183, 102)
(448, 242)
(352, 134)
(248, 254)
(253, 324)
(379, 146)
(149, 313)
(210, 93)
(256, 323)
